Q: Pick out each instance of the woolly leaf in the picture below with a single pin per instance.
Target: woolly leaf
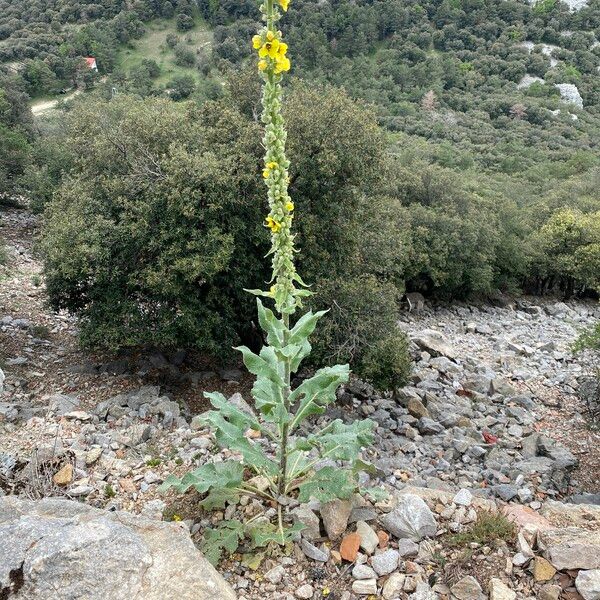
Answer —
(225, 537)
(340, 441)
(264, 533)
(273, 326)
(317, 392)
(327, 484)
(213, 475)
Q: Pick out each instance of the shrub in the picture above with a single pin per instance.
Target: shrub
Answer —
(386, 363)
(362, 313)
(184, 22)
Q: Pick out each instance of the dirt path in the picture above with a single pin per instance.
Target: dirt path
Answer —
(37, 108)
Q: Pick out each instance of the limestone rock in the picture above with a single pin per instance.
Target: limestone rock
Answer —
(368, 537)
(385, 562)
(467, 588)
(335, 515)
(365, 587)
(54, 544)
(393, 586)
(410, 518)
(571, 548)
(543, 569)
(500, 591)
(588, 584)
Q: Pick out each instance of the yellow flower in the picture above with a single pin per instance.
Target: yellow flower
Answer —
(272, 224)
(272, 290)
(266, 173)
(269, 49)
(256, 42)
(289, 205)
(272, 165)
(284, 4)
(177, 518)
(268, 168)
(282, 49)
(282, 64)
(262, 65)
(270, 36)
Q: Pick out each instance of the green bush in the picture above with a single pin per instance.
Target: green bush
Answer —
(360, 328)
(157, 227)
(386, 363)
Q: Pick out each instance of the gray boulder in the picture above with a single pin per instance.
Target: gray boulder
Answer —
(85, 552)
(588, 584)
(571, 548)
(410, 518)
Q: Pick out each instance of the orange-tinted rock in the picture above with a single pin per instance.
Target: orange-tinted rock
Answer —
(384, 539)
(350, 546)
(523, 516)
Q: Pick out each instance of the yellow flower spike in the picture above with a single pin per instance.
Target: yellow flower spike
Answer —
(289, 206)
(262, 65)
(270, 49)
(283, 64)
(256, 42)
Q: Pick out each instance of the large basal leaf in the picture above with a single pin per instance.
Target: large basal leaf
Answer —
(229, 435)
(340, 441)
(317, 392)
(225, 537)
(214, 475)
(264, 533)
(327, 484)
(219, 498)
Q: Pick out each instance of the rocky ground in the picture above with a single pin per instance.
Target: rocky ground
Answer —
(491, 428)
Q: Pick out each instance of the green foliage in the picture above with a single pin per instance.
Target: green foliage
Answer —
(489, 528)
(181, 87)
(590, 338)
(387, 363)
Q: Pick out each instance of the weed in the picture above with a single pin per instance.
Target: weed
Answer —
(489, 527)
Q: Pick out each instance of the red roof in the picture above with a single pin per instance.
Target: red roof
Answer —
(91, 61)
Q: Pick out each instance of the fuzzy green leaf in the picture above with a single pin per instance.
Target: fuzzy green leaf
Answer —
(305, 326)
(376, 493)
(213, 475)
(257, 365)
(225, 537)
(232, 413)
(340, 441)
(317, 392)
(273, 326)
(219, 497)
(265, 533)
(231, 436)
(327, 484)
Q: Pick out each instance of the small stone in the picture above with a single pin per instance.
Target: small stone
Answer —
(393, 586)
(407, 548)
(368, 537)
(312, 525)
(416, 408)
(500, 591)
(305, 592)
(588, 584)
(349, 547)
(78, 415)
(64, 476)
(275, 575)
(549, 592)
(384, 539)
(385, 562)
(335, 515)
(542, 569)
(411, 518)
(313, 552)
(467, 588)
(365, 587)
(92, 456)
(363, 572)
(463, 498)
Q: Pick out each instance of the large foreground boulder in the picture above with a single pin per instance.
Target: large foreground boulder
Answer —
(54, 548)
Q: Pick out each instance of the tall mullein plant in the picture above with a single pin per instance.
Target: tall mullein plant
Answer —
(277, 460)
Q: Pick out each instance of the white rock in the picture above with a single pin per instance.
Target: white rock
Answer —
(275, 575)
(368, 537)
(411, 518)
(305, 592)
(463, 498)
(365, 587)
(569, 93)
(363, 572)
(588, 584)
(386, 562)
(500, 591)
(393, 586)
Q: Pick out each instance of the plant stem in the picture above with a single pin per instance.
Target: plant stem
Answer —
(282, 483)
